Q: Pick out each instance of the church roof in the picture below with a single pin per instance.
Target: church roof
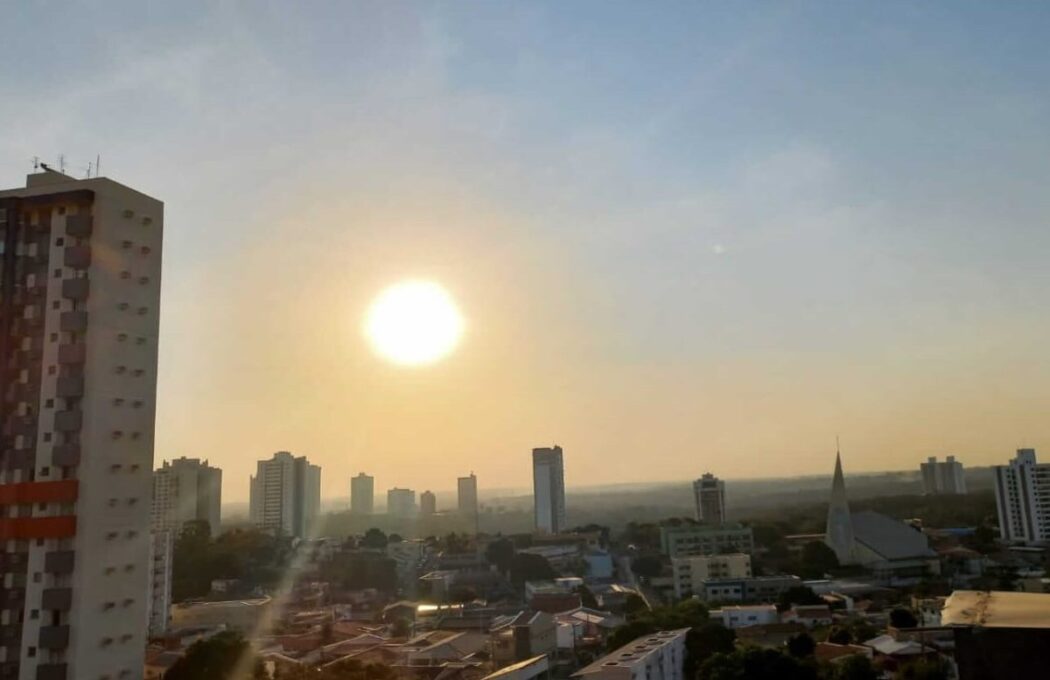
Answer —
(890, 538)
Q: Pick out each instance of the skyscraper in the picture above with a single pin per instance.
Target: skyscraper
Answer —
(186, 490)
(942, 478)
(548, 488)
(286, 495)
(839, 529)
(80, 269)
(467, 496)
(400, 502)
(1022, 498)
(427, 503)
(709, 493)
(362, 494)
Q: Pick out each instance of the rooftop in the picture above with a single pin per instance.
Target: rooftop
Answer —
(633, 653)
(890, 538)
(994, 609)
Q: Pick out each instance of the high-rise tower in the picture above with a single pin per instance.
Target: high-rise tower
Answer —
(362, 494)
(80, 266)
(186, 490)
(286, 495)
(548, 486)
(709, 493)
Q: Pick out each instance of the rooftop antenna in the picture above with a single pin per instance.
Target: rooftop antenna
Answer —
(98, 165)
(62, 163)
(88, 175)
(36, 163)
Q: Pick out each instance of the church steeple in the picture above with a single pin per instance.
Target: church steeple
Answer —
(839, 530)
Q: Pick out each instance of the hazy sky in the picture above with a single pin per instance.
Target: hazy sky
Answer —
(686, 237)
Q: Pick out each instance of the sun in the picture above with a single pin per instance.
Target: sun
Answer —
(413, 323)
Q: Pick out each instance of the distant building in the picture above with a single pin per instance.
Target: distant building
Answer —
(162, 551)
(691, 572)
(709, 493)
(700, 539)
(467, 496)
(755, 589)
(892, 550)
(1022, 498)
(186, 490)
(400, 502)
(249, 617)
(659, 656)
(523, 636)
(427, 503)
(286, 495)
(742, 616)
(548, 482)
(362, 494)
(942, 478)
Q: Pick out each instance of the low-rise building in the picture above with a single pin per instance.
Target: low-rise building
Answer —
(755, 589)
(659, 656)
(690, 572)
(523, 636)
(810, 616)
(741, 616)
(999, 635)
(246, 616)
(585, 627)
(704, 539)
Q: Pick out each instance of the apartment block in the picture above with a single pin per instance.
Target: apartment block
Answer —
(467, 496)
(362, 494)
(400, 502)
(660, 656)
(548, 483)
(80, 270)
(702, 539)
(427, 503)
(709, 494)
(942, 477)
(690, 573)
(1022, 497)
(286, 495)
(186, 490)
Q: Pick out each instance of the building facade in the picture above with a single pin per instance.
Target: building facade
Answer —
(709, 494)
(700, 539)
(400, 502)
(942, 478)
(689, 573)
(186, 490)
(362, 494)
(80, 275)
(427, 503)
(286, 495)
(467, 496)
(1022, 498)
(548, 487)
(659, 656)
(162, 553)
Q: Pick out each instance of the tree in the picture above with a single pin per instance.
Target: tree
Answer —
(401, 628)
(797, 595)
(647, 566)
(902, 618)
(628, 633)
(704, 641)
(982, 540)
(587, 598)
(856, 667)
(817, 560)
(800, 646)
(375, 539)
(501, 554)
(394, 538)
(840, 635)
(634, 605)
(933, 668)
(753, 663)
(528, 567)
(213, 659)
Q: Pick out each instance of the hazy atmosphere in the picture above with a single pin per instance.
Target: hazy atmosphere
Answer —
(679, 241)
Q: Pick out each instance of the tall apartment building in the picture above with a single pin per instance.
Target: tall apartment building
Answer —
(286, 495)
(427, 503)
(400, 502)
(709, 494)
(362, 494)
(80, 266)
(548, 489)
(467, 496)
(162, 555)
(1022, 498)
(942, 478)
(186, 490)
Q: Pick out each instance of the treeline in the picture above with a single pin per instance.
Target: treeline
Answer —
(253, 558)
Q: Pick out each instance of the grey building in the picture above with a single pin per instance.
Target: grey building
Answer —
(286, 495)
(362, 494)
(186, 490)
(548, 486)
(942, 477)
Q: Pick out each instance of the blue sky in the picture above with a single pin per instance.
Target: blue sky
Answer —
(706, 229)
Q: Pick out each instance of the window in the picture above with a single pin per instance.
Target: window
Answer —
(125, 274)
(31, 652)
(145, 250)
(60, 241)
(34, 613)
(49, 403)
(126, 245)
(142, 311)
(37, 577)
(45, 471)
(146, 221)
(56, 304)
(47, 437)
(58, 273)
(54, 337)
(122, 337)
(122, 306)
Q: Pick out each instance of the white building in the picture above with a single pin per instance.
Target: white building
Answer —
(691, 572)
(401, 502)
(362, 494)
(467, 496)
(286, 495)
(942, 478)
(709, 494)
(186, 490)
(1022, 498)
(548, 486)
(659, 656)
(162, 552)
(80, 274)
(742, 616)
(703, 539)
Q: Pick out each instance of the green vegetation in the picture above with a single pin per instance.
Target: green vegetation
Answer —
(214, 659)
(856, 667)
(801, 645)
(254, 558)
(528, 567)
(752, 663)
(360, 570)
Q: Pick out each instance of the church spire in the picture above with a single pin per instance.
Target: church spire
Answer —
(839, 530)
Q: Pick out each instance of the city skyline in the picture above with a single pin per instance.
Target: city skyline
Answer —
(730, 242)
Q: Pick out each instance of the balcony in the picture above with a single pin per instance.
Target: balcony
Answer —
(77, 257)
(69, 421)
(12, 598)
(73, 321)
(54, 637)
(69, 386)
(65, 455)
(72, 353)
(10, 635)
(26, 392)
(51, 671)
(56, 598)
(76, 289)
(22, 425)
(59, 561)
(19, 459)
(79, 226)
(13, 561)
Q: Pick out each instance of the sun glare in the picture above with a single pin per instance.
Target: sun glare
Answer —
(413, 323)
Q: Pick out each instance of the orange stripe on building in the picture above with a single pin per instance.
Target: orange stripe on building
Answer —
(15, 528)
(61, 491)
